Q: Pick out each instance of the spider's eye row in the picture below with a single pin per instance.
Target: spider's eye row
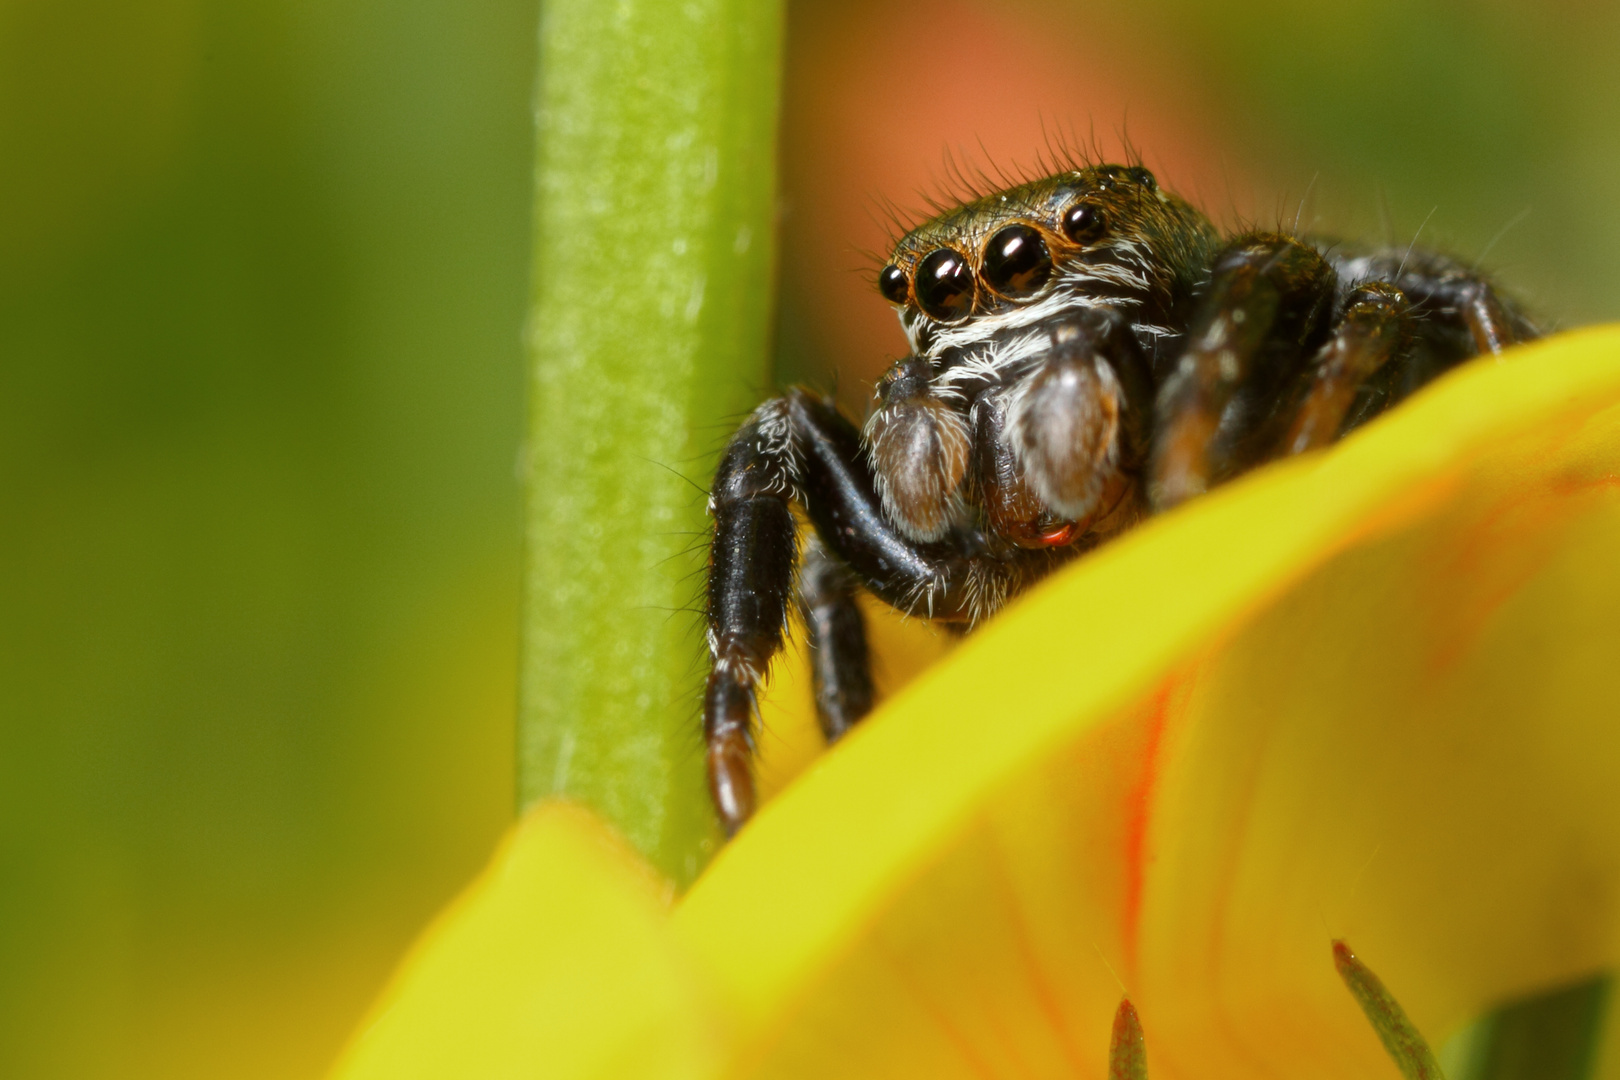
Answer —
(945, 285)
(1083, 223)
(893, 285)
(1016, 261)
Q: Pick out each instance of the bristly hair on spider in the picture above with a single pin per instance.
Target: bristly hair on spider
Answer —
(1086, 349)
(971, 175)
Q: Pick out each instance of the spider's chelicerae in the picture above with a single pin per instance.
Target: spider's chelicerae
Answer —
(1086, 349)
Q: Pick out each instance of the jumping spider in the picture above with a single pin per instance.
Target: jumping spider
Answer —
(1086, 349)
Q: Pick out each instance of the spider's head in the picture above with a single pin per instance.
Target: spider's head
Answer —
(1002, 389)
(1023, 255)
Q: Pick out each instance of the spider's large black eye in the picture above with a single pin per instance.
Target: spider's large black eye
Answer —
(945, 285)
(1083, 223)
(1016, 261)
(893, 285)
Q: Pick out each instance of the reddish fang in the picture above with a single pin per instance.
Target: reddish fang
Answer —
(1062, 534)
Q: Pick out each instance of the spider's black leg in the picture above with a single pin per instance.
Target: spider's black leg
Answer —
(840, 665)
(1453, 314)
(1446, 291)
(1445, 296)
(1264, 313)
(750, 578)
(799, 447)
(840, 497)
(1372, 328)
(962, 578)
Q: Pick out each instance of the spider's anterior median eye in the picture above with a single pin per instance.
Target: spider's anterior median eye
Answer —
(945, 285)
(1083, 223)
(1016, 261)
(893, 285)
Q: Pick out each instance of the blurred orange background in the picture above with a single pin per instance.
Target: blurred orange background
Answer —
(262, 275)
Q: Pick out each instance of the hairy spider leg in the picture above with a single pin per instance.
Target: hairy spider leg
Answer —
(799, 448)
(1263, 315)
(1448, 314)
(1483, 312)
(840, 664)
(839, 495)
(1445, 293)
(1372, 328)
(751, 562)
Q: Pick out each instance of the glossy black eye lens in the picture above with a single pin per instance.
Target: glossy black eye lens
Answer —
(893, 285)
(945, 285)
(1083, 223)
(1016, 261)
(1143, 177)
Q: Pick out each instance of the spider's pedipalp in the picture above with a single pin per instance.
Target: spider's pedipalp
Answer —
(919, 449)
(1064, 426)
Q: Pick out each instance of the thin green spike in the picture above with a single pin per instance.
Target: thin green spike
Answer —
(1411, 1053)
(1127, 1051)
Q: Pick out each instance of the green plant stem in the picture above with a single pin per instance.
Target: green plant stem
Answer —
(654, 238)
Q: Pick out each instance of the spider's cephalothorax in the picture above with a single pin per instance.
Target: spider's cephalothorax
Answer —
(1086, 349)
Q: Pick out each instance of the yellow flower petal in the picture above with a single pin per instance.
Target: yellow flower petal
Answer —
(556, 962)
(1369, 695)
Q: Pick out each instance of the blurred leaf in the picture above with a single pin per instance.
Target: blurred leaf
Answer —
(1551, 1036)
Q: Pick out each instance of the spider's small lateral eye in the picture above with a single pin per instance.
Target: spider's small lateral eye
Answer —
(893, 285)
(1016, 262)
(1083, 223)
(1142, 176)
(945, 285)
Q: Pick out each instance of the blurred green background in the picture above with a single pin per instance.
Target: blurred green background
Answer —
(261, 292)
(262, 274)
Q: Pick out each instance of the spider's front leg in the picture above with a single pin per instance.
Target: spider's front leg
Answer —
(793, 448)
(1264, 314)
(799, 448)
(751, 562)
